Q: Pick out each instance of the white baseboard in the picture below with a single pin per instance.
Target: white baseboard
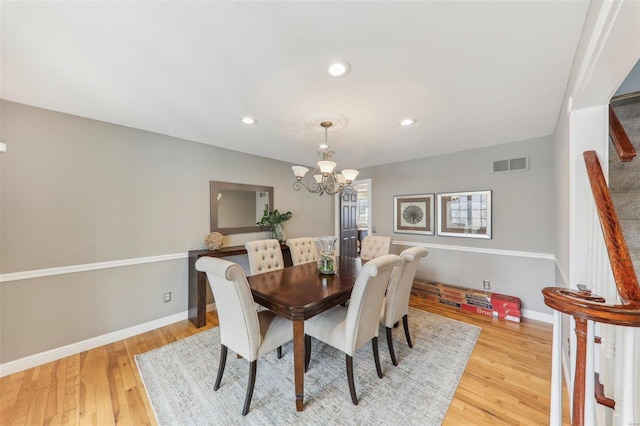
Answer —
(95, 342)
(538, 316)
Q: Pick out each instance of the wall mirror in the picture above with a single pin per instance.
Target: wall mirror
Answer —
(235, 207)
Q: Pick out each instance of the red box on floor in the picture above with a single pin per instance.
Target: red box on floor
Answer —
(477, 310)
(502, 301)
(506, 310)
(508, 314)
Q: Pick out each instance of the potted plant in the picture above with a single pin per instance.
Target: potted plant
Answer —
(273, 219)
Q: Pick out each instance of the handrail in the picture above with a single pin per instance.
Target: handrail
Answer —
(581, 304)
(621, 264)
(624, 147)
(600, 396)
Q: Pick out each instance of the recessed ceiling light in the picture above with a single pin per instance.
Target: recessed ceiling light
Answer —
(339, 68)
(248, 120)
(407, 122)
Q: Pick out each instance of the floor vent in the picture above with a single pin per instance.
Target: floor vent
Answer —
(513, 164)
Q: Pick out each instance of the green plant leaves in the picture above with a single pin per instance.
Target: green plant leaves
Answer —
(273, 217)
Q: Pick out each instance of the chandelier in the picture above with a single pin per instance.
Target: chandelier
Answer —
(323, 179)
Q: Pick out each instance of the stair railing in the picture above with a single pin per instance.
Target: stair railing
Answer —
(588, 310)
(621, 142)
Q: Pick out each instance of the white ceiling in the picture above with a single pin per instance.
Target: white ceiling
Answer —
(473, 74)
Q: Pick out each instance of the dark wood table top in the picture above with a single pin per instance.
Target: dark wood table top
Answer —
(300, 292)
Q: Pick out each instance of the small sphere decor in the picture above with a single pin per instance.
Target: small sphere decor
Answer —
(214, 240)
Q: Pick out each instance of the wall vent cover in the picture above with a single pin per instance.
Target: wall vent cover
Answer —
(513, 164)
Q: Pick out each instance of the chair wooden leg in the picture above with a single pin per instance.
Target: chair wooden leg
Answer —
(221, 365)
(405, 322)
(390, 344)
(307, 352)
(352, 386)
(252, 381)
(279, 350)
(376, 357)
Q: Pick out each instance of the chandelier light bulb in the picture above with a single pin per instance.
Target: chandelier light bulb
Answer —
(299, 171)
(350, 175)
(326, 167)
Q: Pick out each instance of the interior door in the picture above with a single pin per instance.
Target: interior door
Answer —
(348, 225)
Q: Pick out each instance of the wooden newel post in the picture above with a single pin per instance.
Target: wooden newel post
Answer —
(577, 419)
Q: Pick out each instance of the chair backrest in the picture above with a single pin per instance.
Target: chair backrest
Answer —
(264, 256)
(239, 326)
(374, 246)
(303, 250)
(396, 303)
(363, 314)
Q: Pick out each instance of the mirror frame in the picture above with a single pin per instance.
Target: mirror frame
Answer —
(215, 187)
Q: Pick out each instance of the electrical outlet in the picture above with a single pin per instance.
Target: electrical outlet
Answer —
(167, 297)
(486, 284)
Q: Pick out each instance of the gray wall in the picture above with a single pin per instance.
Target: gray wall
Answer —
(630, 84)
(523, 217)
(77, 191)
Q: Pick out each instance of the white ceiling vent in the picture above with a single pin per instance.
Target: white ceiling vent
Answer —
(513, 164)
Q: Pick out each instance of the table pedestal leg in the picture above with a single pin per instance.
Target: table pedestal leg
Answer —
(298, 362)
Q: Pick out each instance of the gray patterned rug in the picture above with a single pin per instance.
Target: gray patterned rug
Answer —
(179, 379)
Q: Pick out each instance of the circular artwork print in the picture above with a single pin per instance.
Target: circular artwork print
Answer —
(412, 214)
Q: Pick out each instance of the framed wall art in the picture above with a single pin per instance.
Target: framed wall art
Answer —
(465, 214)
(413, 214)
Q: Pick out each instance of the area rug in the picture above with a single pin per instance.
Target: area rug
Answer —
(179, 380)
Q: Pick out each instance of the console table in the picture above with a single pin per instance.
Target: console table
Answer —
(198, 280)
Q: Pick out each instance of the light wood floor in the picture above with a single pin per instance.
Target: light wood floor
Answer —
(507, 379)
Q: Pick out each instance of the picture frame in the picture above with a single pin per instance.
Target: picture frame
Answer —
(413, 214)
(465, 214)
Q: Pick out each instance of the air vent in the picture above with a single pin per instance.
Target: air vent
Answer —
(510, 165)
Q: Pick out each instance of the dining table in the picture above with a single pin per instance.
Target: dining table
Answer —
(299, 293)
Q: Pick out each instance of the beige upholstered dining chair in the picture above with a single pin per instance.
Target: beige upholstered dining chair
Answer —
(264, 256)
(373, 246)
(303, 250)
(396, 301)
(349, 328)
(245, 331)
